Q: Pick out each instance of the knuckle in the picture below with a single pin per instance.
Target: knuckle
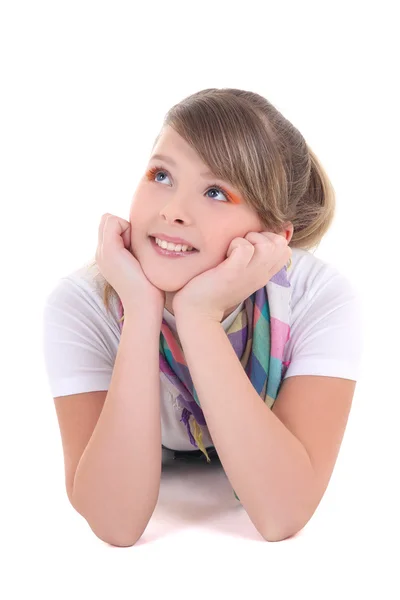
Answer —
(281, 240)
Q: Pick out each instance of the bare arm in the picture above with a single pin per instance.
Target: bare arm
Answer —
(269, 469)
(117, 480)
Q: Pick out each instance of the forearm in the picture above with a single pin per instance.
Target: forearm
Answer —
(117, 480)
(267, 466)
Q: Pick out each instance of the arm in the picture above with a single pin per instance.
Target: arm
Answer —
(117, 480)
(269, 468)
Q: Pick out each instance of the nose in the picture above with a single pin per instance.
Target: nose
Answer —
(175, 210)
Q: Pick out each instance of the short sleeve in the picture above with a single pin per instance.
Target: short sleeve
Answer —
(328, 335)
(76, 345)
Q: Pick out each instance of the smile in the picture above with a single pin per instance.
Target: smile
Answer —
(170, 253)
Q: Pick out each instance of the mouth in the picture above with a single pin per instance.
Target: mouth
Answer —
(170, 253)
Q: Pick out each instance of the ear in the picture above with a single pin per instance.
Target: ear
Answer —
(288, 232)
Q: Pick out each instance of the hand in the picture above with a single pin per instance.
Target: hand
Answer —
(120, 267)
(251, 262)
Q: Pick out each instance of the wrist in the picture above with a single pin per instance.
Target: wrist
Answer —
(146, 311)
(188, 315)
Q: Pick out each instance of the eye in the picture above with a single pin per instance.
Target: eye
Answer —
(154, 171)
(151, 173)
(219, 190)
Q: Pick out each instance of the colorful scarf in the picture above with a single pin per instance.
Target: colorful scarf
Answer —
(258, 336)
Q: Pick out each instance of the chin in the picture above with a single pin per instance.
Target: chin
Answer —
(165, 285)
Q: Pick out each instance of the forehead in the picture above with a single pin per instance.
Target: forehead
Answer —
(172, 161)
(174, 150)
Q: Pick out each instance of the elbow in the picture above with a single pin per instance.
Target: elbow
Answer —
(121, 536)
(283, 528)
(279, 536)
(278, 533)
(123, 540)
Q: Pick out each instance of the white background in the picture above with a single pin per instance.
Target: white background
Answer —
(84, 89)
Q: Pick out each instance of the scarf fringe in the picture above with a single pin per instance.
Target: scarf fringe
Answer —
(198, 436)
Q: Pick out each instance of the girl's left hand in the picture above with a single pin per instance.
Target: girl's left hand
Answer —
(251, 262)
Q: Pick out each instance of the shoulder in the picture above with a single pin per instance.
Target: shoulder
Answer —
(317, 285)
(80, 292)
(80, 338)
(326, 322)
(310, 274)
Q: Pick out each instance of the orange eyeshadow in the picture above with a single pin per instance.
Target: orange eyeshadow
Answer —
(235, 199)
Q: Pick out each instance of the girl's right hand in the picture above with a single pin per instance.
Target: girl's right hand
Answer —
(120, 268)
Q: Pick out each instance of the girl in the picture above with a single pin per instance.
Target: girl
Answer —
(206, 327)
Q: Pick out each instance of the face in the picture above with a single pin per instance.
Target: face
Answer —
(180, 201)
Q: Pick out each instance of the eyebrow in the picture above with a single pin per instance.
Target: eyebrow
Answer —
(206, 174)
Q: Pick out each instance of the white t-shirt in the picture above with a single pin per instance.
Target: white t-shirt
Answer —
(81, 338)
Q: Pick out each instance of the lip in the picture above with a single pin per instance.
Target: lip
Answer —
(173, 240)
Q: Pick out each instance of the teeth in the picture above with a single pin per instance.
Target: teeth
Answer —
(173, 247)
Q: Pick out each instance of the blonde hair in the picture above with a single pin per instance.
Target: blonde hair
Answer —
(246, 141)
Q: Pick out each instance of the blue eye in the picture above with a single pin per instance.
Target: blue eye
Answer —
(153, 172)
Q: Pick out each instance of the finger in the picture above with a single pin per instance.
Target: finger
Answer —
(117, 226)
(126, 235)
(281, 259)
(275, 248)
(261, 237)
(273, 237)
(101, 232)
(107, 227)
(236, 242)
(239, 255)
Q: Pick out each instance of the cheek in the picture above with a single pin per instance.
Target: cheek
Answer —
(219, 251)
(138, 219)
(142, 213)
(220, 244)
